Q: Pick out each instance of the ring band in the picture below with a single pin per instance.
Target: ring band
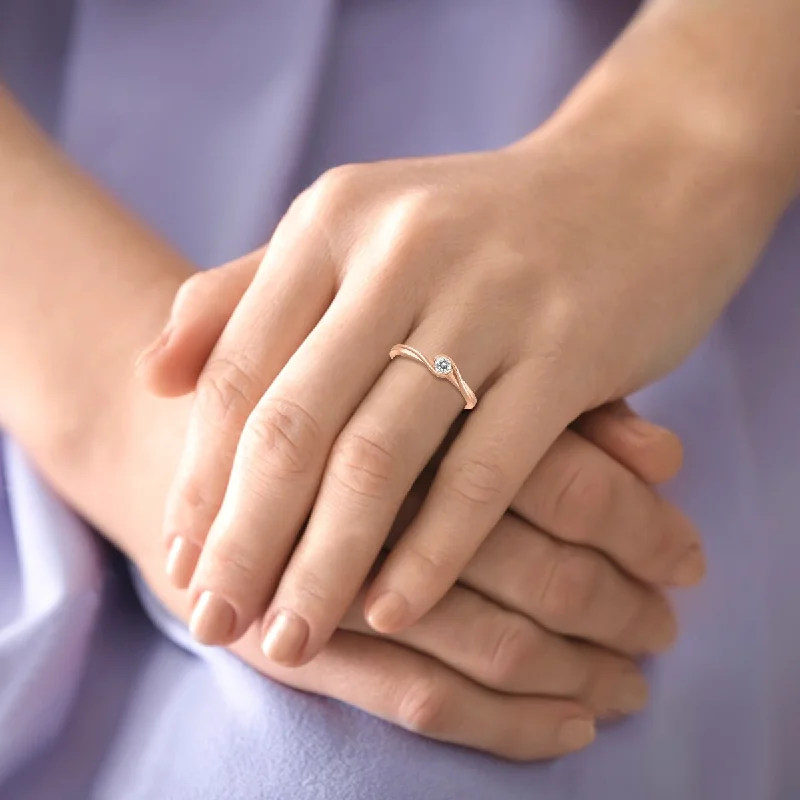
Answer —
(442, 366)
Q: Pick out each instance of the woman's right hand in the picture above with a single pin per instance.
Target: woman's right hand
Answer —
(543, 627)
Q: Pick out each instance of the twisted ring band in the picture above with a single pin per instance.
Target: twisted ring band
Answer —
(442, 367)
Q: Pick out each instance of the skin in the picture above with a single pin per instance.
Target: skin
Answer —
(495, 665)
(568, 589)
(560, 273)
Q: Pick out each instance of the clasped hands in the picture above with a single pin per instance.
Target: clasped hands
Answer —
(306, 447)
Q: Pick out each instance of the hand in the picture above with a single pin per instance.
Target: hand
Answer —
(118, 447)
(473, 663)
(552, 301)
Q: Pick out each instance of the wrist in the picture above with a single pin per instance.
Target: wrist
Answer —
(67, 389)
(105, 443)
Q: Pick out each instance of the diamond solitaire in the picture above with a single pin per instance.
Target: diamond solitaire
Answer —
(443, 365)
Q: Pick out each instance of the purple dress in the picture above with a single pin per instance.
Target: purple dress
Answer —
(206, 118)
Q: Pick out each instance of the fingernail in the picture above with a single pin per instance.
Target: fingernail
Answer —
(576, 734)
(182, 561)
(638, 426)
(643, 429)
(156, 347)
(388, 612)
(691, 568)
(631, 694)
(213, 619)
(285, 638)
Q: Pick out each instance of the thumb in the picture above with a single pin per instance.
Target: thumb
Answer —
(202, 307)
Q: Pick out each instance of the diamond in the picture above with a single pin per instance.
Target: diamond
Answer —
(442, 365)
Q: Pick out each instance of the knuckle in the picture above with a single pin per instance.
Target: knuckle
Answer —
(226, 393)
(474, 481)
(510, 653)
(189, 507)
(583, 501)
(312, 592)
(332, 189)
(559, 318)
(414, 211)
(423, 707)
(430, 559)
(235, 562)
(570, 585)
(564, 323)
(410, 226)
(321, 213)
(190, 289)
(363, 464)
(286, 433)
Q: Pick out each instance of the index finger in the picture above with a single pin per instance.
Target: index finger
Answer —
(257, 342)
(652, 452)
(423, 695)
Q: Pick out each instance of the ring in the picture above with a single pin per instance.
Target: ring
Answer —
(442, 367)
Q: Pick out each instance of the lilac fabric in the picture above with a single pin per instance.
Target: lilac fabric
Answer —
(206, 118)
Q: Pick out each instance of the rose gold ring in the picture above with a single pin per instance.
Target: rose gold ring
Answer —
(442, 367)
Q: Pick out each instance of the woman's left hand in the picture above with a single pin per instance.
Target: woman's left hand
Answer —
(558, 274)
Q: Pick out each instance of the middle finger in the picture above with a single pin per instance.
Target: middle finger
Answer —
(571, 590)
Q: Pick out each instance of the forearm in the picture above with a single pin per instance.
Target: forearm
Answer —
(83, 286)
(719, 76)
(84, 289)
